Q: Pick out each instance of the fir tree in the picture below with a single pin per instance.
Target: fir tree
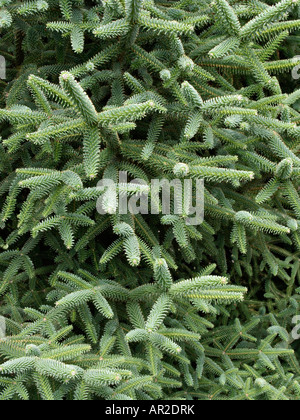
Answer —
(147, 307)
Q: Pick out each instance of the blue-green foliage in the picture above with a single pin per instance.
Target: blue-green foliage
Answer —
(145, 306)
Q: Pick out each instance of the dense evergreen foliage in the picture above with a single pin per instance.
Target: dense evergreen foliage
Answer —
(148, 307)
